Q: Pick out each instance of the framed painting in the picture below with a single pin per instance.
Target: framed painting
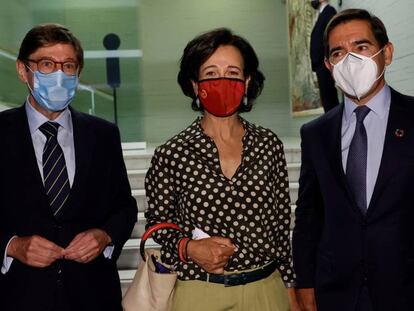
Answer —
(304, 91)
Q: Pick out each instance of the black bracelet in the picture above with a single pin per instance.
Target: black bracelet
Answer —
(186, 250)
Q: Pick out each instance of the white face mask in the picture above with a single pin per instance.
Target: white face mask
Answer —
(355, 74)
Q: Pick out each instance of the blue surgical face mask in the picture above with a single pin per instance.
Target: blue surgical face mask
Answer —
(53, 91)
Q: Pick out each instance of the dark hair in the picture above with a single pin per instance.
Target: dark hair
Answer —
(202, 47)
(49, 34)
(377, 26)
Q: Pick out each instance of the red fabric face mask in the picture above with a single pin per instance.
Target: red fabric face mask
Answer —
(221, 97)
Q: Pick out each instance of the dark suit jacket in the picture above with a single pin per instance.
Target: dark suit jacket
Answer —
(100, 198)
(317, 51)
(336, 249)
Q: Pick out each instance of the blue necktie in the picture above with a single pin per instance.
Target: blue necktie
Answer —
(55, 174)
(356, 166)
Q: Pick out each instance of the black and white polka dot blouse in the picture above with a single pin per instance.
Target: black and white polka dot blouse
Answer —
(185, 185)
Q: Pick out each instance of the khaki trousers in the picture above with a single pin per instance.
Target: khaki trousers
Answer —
(268, 294)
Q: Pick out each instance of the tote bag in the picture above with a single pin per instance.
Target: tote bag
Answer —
(152, 288)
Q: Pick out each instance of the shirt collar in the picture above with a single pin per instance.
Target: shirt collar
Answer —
(322, 6)
(36, 119)
(379, 104)
(196, 129)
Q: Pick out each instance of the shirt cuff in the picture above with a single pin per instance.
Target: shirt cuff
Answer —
(290, 284)
(7, 261)
(108, 251)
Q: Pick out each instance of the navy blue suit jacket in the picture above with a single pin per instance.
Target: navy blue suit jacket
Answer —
(336, 249)
(317, 51)
(100, 198)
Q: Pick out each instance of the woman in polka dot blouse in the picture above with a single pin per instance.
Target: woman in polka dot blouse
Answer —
(224, 181)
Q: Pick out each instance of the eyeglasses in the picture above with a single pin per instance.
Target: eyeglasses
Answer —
(369, 51)
(46, 66)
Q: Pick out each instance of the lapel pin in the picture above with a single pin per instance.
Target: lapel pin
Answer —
(399, 133)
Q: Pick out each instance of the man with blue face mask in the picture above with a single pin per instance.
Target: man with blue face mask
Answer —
(65, 201)
(353, 244)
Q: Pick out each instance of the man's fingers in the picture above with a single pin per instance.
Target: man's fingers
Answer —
(86, 246)
(35, 251)
(83, 250)
(80, 247)
(84, 257)
(306, 299)
(78, 251)
(78, 239)
(39, 242)
(47, 246)
(39, 261)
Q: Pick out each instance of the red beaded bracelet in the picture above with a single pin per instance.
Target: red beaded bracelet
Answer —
(186, 250)
(181, 245)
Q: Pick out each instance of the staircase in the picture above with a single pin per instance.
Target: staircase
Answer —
(137, 163)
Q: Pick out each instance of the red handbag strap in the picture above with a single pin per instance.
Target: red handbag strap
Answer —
(151, 230)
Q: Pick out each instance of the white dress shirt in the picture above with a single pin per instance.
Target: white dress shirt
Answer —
(65, 137)
(376, 125)
(322, 6)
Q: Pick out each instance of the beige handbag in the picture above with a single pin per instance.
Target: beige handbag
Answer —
(152, 288)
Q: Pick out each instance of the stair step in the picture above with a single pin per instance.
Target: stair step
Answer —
(139, 195)
(293, 171)
(293, 191)
(130, 256)
(126, 277)
(292, 149)
(137, 178)
(138, 159)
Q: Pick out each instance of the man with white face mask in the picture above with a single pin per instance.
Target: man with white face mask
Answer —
(353, 244)
(65, 201)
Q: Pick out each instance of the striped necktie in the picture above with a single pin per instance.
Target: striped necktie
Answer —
(356, 168)
(55, 174)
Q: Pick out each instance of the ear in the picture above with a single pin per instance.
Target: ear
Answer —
(21, 71)
(328, 64)
(388, 53)
(195, 87)
(248, 79)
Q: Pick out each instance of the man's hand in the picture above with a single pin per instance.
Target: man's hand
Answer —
(306, 299)
(87, 245)
(293, 302)
(34, 251)
(211, 254)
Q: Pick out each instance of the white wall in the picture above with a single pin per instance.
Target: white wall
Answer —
(398, 17)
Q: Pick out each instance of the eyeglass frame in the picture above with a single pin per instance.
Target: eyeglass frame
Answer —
(55, 63)
(370, 55)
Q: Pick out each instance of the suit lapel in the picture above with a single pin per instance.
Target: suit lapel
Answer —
(84, 142)
(333, 140)
(22, 149)
(332, 134)
(398, 119)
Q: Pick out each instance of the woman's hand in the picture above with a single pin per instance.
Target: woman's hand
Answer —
(212, 254)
